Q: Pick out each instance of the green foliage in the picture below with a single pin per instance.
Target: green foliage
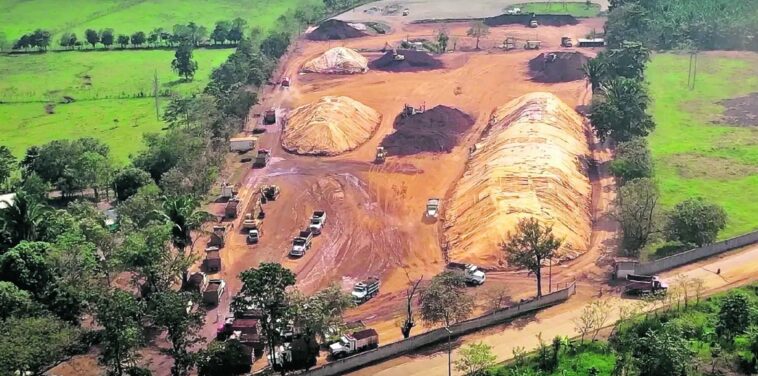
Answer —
(275, 45)
(444, 301)
(34, 344)
(141, 208)
(578, 9)
(734, 316)
(183, 214)
(120, 314)
(128, 181)
(618, 110)
(92, 36)
(21, 221)
(636, 205)
(663, 353)
(223, 359)
(169, 311)
(15, 302)
(25, 265)
(442, 39)
(320, 312)
(183, 64)
(532, 244)
(71, 165)
(633, 160)
(475, 358)
(7, 165)
(695, 221)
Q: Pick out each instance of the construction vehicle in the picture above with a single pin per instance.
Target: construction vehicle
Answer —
(365, 290)
(406, 11)
(533, 23)
(317, 221)
(472, 273)
(509, 44)
(532, 45)
(214, 290)
(230, 210)
(432, 207)
(644, 284)
(227, 191)
(285, 82)
(212, 260)
(218, 236)
(409, 110)
(354, 343)
(567, 42)
(242, 144)
(262, 158)
(270, 192)
(269, 117)
(251, 222)
(594, 42)
(301, 243)
(381, 154)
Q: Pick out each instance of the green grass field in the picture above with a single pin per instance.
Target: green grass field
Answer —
(576, 9)
(695, 156)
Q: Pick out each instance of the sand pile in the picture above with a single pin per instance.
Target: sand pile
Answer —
(437, 130)
(334, 30)
(557, 67)
(530, 163)
(331, 126)
(338, 60)
(411, 61)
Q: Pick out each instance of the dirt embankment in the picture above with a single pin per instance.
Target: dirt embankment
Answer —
(530, 163)
(335, 30)
(551, 67)
(524, 19)
(405, 61)
(437, 130)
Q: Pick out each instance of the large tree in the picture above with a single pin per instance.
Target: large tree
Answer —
(275, 45)
(146, 252)
(618, 110)
(32, 345)
(663, 352)
(15, 302)
(7, 164)
(107, 38)
(734, 315)
(20, 220)
(695, 221)
(595, 72)
(475, 359)
(226, 358)
(444, 301)
(184, 215)
(183, 64)
(636, 211)
(128, 181)
(92, 37)
(220, 33)
(120, 314)
(633, 160)
(169, 311)
(478, 30)
(530, 246)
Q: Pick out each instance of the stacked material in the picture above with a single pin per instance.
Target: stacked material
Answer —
(334, 30)
(530, 163)
(557, 67)
(338, 60)
(437, 130)
(405, 61)
(331, 126)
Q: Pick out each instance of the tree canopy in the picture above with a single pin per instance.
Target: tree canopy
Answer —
(530, 246)
(695, 221)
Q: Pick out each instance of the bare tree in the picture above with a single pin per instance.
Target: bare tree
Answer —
(408, 323)
(601, 310)
(478, 30)
(495, 297)
(698, 284)
(584, 323)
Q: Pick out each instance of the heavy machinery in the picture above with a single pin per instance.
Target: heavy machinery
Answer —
(381, 154)
(285, 82)
(533, 22)
(228, 191)
(301, 243)
(509, 44)
(409, 110)
(270, 192)
(317, 221)
(262, 158)
(218, 236)
(432, 207)
(269, 117)
(212, 260)
(213, 292)
(471, 272)
(567, 42)
(365, 290)
(354, 343)
(532, 45)
(644, 284)
(230, 211)
(406, 11)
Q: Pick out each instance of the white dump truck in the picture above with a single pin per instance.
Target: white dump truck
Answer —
(301, 243)
(317, 221)
(242, 144)
(473, 274)
(354, 343)
(365, 290)
(432, 207)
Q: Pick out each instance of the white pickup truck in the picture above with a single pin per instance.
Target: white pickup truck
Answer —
(472, 273)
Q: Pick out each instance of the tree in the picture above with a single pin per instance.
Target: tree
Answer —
(138, 38)
(94, 170)
(41, 39)
(265, 288)
(316, 314)
(107, 37)
(619, 110)
(123, 40)
(120, 314)
(20, 220)
(63, 162)
(478, 30)
(275, 45)
(169, 311)
(15, 302)
(92, 37)
(128, 181)
(530, 246)
(184, 216)
(734, 315)
(147, 254)
(628, 60)
(7, 164)
(475, 358)
(444, 301)
(633, 160)
(221, 32)
(25, 265)
(695, 221)
(409, 322)
(595, 72)
(664, 352)
(68, 39)
(140, 209)
(223, 359)
(636, 211)
(442, 39)
(183, 63)
(4, 44)
(32, 345)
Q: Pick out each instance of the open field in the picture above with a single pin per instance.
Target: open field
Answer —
(696, 151)
(577, 9)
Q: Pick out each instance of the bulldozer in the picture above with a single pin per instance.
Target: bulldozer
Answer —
(381, 154)
(409, 110)
(269, 192)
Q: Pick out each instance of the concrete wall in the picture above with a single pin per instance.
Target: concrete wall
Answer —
(696, 254)
(438, 335)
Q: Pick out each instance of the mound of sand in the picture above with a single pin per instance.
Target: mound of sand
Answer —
(338, 60)
(331, 126)
(411, 61)
(530, 163)
(557, 67)
(437, 130)
(334, 30)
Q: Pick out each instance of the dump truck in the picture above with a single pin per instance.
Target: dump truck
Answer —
(262, 158)
(301, 243)
(286, 82)
(213, 292)
(432, 207)
(242, 144)
(228, 191)
(218, 236)
(269, 117)
(644, 284)
(472, 273)
(270, 192)
(317, 221)
(354, 343)
(365, 290)
(230, 210)
(532, 45)
(212, 260)
(250, 223)
(381, 154)
(567, 42)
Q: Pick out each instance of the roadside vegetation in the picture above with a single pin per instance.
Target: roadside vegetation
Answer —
(579, 9)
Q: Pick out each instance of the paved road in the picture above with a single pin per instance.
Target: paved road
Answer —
(737, 268)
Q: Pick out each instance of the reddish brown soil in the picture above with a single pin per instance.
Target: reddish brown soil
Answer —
(334, 30)
(565, 67)
(413, 61)
(437, 130)
(742, 111)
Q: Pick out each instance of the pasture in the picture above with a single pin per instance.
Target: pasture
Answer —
(576, 9)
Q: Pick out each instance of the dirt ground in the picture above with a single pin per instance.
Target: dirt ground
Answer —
(742, 111)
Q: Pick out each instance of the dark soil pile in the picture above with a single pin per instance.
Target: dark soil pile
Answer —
(742, 111)
(564, 67)
(334, 30)
(437, 130)
(523, 19)
(412, 61)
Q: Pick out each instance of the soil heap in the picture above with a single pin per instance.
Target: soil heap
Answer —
(437, 130)
(334, 30)
(557, 67)
(531, 162)
(411, 61)
(331, 126)
(338, 60)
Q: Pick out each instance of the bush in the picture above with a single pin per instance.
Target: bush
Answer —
(695, 221)
(633, 160)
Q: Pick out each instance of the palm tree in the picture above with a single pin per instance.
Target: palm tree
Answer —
(184, 215)
(20, 219)
(594, 70)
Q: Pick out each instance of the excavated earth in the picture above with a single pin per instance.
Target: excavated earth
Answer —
(412, 61)
(437, 130)
(563, 67)
(335, 30)
(531, 162)
(338, 60)
(330, 126)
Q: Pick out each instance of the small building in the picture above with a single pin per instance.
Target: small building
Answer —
(623, 266)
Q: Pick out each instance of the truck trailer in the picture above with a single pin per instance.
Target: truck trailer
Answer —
(354, 343)
(365, 290)
(644, 284)
(301, 243)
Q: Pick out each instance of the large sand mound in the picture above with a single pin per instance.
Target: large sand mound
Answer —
(331, 126)
(530, 163)
(338, 60)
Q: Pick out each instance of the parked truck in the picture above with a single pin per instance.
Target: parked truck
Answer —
(472, 273)
(242, 144)
(218, 237)
(269, 117)
(432, 207)
(213, 291)
(230, 211)
(365, 290)
(270, 192)
(228, 191)
(262, 158)
(317, 221)
(301, 243)
(644, 284)
(354, 343)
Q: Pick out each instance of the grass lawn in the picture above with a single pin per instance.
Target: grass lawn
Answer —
(695, 152)
(576, 9)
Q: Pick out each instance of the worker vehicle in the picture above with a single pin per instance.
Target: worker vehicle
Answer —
(381, 154)
(317, 221)
(270, 192)
(406, 11)
(509, 44)
(286, 82)
(262, 158)
(213, 291)
(432, 207)
(301, 243)
(354, 343)
(253, 236)
(532, 45)
(644, 284)
(533, 23)
(567, 42)
(365, 290)
(269, 117)
(230, 210)
(472, 273)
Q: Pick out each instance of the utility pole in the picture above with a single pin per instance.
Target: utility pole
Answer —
(155, 95)
(550, 277)
(449, 353)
